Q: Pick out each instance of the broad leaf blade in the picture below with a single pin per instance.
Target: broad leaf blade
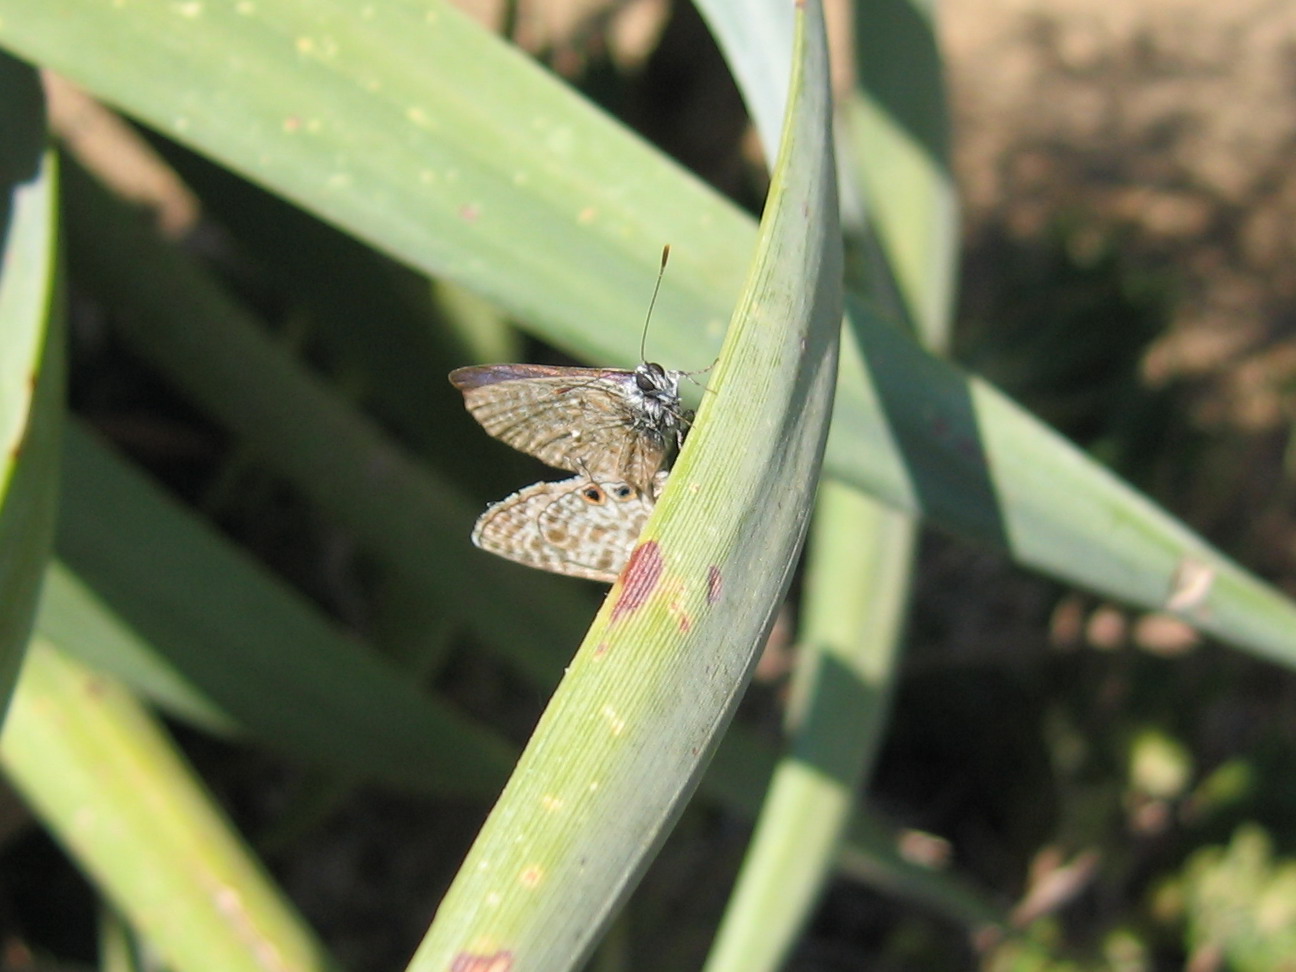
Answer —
(435, 141)
(410, 517)
(111, 786)
(626, 735)
(855, 588)
(893, 135)
(753, 36)
(154, 595)
(31, 361)
(430, 138)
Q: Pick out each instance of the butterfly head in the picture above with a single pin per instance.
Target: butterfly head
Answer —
(655, 382)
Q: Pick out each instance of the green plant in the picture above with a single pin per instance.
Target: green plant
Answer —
(421, 135)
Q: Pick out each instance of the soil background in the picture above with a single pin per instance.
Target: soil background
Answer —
(1177, 118)
(1174, 121)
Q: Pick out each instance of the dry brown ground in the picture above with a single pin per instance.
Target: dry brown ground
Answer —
(1177, 117)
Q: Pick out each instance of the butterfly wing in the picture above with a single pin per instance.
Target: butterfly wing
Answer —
(585, 420)
(577, 527)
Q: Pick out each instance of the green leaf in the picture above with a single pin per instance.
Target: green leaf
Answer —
(154, 595)
(753, 36)
(855, 590)
(407, 515)
(110, 785)
(624, 739)
(415, 524)
(31, 361)
(893, 135)
(857, 582)
(436, 142)
(428, 137)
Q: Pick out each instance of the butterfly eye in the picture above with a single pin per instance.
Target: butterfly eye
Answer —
(623, 491)
(650, 376)
(593, 493)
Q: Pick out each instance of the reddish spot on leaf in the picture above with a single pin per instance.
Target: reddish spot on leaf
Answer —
(467, 962)
(531, 878)
(469, 213)
(714, 584)
(677, 606)
(639, 579)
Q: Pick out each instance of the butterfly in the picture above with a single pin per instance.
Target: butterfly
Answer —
(610, 424)
(579, 527)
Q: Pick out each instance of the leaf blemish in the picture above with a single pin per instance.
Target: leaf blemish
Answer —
(639, 579)
(501, 961)
(615, 723)
(1190, 586)
(715, 583)
(531, 877)
(678, 594)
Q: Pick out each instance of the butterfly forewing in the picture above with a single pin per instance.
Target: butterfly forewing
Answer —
(606, 423)
(578, 527)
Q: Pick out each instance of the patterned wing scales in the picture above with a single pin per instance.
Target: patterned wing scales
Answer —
(577, 527)
(594, 421)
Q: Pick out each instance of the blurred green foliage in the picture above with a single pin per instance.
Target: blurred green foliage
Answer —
(1157, 784)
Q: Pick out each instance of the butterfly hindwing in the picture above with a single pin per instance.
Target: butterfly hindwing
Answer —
(578, 527)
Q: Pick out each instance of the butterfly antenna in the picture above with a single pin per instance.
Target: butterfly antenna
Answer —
(643, 338)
